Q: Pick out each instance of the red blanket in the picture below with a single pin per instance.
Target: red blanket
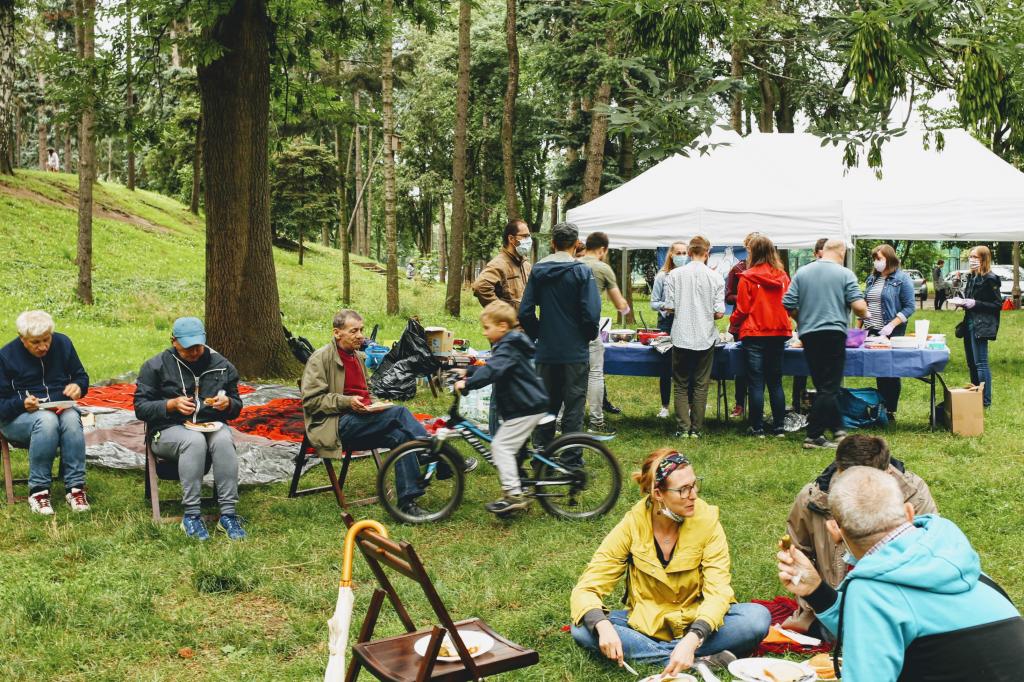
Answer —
(782, 608)
(122, 396)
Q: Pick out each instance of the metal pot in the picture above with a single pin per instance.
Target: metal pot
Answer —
(616, 335)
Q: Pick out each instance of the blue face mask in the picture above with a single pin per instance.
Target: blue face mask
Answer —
(679, 261)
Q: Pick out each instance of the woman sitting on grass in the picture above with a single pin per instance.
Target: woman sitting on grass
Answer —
(679, 602)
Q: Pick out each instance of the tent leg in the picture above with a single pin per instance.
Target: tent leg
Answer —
(623, 274)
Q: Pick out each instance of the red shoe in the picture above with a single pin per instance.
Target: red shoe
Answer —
(737, 412)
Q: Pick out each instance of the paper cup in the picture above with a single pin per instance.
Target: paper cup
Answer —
(921, 332)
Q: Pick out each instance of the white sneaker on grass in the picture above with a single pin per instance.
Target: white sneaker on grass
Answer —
(77, 500)
(663, 413)
(39, 503)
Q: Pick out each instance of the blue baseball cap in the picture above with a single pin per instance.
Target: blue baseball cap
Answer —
(189, 331)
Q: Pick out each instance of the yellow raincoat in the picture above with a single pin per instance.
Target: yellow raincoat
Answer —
(662, 602)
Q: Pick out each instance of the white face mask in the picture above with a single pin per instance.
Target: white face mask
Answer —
(524, 246)
(974, 262)
(880, 265)
(665, 511)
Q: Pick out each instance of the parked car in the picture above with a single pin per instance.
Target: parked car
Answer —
(920, 284)
(958, 278)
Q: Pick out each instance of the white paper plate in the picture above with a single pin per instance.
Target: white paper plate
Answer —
(482, 641)
(203, 427)
(57, 405)
(678, 677)
(752, 669)
(379, 406)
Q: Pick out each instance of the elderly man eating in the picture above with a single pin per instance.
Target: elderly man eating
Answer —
(37, 368)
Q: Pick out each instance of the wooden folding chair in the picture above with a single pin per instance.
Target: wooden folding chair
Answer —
(165, 470)
(9, 480)
(337, 485)
(394, 659)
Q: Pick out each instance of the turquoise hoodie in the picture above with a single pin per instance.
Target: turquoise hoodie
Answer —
(925, 582)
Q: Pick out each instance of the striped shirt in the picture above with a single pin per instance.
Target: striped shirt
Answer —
(874, 299)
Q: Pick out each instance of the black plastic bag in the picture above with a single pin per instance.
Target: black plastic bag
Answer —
(408, 359)
(397, 382)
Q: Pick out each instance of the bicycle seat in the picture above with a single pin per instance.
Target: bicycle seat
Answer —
(546, 419)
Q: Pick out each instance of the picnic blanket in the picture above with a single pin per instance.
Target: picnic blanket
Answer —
(781, 608)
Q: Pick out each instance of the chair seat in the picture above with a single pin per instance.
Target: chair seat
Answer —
(394, 659)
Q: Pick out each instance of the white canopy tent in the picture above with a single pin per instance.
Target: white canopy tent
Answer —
(793, 189)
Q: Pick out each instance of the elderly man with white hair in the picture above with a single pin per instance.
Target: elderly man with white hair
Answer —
(916, 606)
(37, 369)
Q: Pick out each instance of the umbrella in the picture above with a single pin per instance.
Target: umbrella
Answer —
(339, 623)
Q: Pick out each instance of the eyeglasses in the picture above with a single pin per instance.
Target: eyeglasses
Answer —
(685, 490)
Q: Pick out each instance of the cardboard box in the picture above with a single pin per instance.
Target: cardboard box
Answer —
(965, 415)
(440, 340)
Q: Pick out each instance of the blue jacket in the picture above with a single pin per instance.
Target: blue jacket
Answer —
(897, 297)
(22, 373)
(570, 309)
(518, 391)
(919, 592)
(167, 376)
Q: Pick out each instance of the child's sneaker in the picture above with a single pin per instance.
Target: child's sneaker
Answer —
(232, 526)
(39, 503)
(508, 503)
(77, 500)
(194, 527)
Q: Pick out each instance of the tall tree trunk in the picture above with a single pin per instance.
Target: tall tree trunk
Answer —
(19, 137)
(129, 107)
(243, 319)
(175, 52)
(736, 101)
(508, 119)
(442, 246)
(110, 158)
(765, 121)
(390, 227)
(360, 232)
(453, 298)
(197, 167)
(86, 150)
(595, 145)
(41, 123)
(554, 215)
(68, 153)
(368, 201)
(346, 271)
(7, 105)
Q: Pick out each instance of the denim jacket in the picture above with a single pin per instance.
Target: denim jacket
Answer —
(897, 298)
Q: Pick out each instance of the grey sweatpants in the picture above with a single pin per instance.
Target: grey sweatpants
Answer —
(511, 435)
(595, 383)
(191, 450)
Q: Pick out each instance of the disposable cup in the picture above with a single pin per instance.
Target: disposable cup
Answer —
(921, 332)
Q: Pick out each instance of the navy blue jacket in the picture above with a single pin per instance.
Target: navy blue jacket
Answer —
(167, 376)
(988, 301)
(897, 297)
(518, 391)
(22, 373)
(570, 309)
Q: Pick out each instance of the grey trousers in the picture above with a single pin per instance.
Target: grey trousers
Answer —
(595, 383)
(510, 437)
(566, 386)
(691, 376)
(192, 450)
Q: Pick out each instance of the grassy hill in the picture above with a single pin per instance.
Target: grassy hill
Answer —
(109, 596)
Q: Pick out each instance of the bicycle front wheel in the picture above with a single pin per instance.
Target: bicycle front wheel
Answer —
(577, 477)
(416, 485)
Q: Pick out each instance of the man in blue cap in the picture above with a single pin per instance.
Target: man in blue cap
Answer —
(183, 394)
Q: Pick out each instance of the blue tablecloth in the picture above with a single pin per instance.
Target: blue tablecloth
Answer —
(638, 360)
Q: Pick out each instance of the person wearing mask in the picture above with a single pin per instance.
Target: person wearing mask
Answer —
(981, 303)
(939, 284)
(889, 292)
(697, 294)
(732, 289)
(676, 258)
(820, 298)
(504, 277)
(594, 257)
(764, 327)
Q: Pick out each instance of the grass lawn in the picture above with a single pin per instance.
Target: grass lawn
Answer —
(110, 596)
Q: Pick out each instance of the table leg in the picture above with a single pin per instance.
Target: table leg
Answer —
(931, 415)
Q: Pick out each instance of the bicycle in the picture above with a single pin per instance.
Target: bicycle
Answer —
(575, 477)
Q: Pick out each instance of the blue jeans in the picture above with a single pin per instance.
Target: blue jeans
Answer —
(764, 369)
(386, 429)
(744, 628)
(46, 432)
(977, 360)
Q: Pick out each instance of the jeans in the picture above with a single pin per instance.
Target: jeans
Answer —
(742, 389)
(826, 357)
(566, 385)
(744, 627)
(764, 370)
(595, 383)
(386, 429)
(194, 452)
(665, 380)
(45, 432)
(691, 371)
(977, 360)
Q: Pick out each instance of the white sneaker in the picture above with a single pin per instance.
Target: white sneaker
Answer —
(77, 500)
(663, 413)
(40, 503)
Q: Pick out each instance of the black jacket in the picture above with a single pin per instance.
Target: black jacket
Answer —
(570, 309)
(988, 301)
(518, 391)
(167, 376)
(22, 373)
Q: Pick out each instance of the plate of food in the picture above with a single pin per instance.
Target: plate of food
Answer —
(771, 670)
(57, 405)
(203, 427)
(822, 665)
(671, 677)
(478, 643)
(379, 405)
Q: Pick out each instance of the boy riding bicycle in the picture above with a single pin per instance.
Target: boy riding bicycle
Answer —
(518, 394)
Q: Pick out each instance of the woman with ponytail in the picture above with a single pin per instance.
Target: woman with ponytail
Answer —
(679, 601)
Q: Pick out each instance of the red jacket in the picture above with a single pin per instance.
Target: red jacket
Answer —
(732, 289)
(759, 310)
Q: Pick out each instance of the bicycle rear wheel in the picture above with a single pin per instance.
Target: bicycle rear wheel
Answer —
(582, 480)
(438, 475)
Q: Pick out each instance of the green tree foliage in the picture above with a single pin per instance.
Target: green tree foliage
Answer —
(303, 187)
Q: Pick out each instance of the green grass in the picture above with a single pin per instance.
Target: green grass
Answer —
(110, 596)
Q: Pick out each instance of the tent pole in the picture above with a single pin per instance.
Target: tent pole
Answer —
(1016, 275)
(624, 272)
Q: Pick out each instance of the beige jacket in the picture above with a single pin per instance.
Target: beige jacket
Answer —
(806, 525)
(323, 399)
(504, 278)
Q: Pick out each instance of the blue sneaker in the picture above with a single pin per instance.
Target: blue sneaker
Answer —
(194, 527)
(232, 525)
